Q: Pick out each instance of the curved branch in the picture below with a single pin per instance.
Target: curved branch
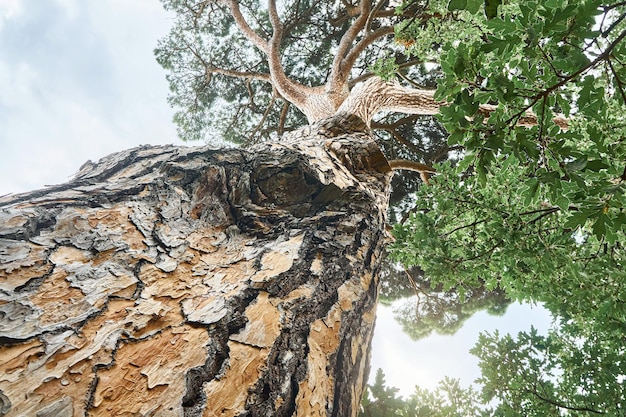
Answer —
(290, 90)
(246, 75)
(298, 94)
(374, 14)
(375, 95)
(423, 169)
(337, 75)
(348, 62)
(561, 405)
(392, 129)
(396, 164)
(243, 25)
(264, 117)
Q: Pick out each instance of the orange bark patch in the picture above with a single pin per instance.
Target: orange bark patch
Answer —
(263, 325)
(59, 303)
(116, 220)
(278, 260)
(14, 359)
(149, 376)
(26, 261)
(226, 397)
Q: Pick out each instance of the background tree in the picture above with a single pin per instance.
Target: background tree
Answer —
(270, 68)
(449, 399)
(422, 308)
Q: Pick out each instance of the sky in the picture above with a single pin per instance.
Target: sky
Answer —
(78, 81)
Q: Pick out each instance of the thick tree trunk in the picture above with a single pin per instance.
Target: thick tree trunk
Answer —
(167, 281)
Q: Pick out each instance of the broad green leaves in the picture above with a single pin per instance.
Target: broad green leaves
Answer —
(537, 206)
(567, 372)
(521, 191)
(471, 6)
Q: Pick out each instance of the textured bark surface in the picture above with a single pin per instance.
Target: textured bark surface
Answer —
(167, 281)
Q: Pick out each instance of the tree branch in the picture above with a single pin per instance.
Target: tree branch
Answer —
(375, 95)
(367, 75)
(411, 166)
(561, 405)
(243, 25)
(338, 76)
(373, 14)
(423, 169)
(287, 88)
(283, 118)
(348, 62)
(604, 55)
(290, 90)
(246, 75)
(264, 117)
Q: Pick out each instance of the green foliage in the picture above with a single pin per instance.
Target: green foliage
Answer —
(491, 8)
(571, 371)
(536, 213)
(539, 211)
(381, 401)
(422, 309)
(215, 74)
(219, 81)
(449, 399)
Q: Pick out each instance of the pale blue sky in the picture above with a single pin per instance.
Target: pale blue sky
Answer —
(78, 81)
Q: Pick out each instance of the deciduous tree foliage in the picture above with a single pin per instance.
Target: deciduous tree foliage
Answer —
(530, 200)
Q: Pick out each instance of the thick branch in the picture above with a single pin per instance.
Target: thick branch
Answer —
(423, 169)
(375, 95)
(287, 88)
(338, 74)
(396, 164)
(246, 75)
(243, 25)
(355, 52)
(292, 91)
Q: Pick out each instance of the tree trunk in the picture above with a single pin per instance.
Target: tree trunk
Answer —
(167, 281)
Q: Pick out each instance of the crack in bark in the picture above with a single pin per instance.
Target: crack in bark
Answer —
(195, 399)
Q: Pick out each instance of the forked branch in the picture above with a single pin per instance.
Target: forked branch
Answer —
(289, 89)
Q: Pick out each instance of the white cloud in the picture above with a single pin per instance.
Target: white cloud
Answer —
(78, 81)
(71, 7)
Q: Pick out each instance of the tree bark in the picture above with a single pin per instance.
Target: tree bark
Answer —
(172, 281)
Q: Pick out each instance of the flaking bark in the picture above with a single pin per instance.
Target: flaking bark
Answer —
(169, 281)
